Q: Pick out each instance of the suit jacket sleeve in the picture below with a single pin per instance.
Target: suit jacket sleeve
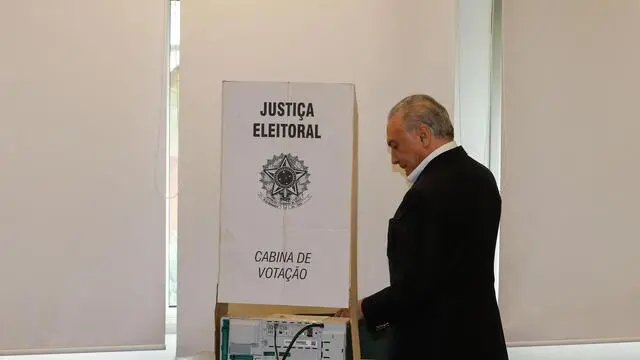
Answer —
(421, 231)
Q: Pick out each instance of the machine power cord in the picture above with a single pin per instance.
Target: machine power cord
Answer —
(293, 341)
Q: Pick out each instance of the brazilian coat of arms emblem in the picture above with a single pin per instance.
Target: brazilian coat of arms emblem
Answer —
(285, 181)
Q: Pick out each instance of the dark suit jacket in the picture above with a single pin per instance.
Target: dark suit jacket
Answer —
(441, 302)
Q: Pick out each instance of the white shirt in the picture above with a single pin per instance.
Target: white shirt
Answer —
(417, 171)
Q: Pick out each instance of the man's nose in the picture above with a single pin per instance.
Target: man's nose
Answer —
(394, 159)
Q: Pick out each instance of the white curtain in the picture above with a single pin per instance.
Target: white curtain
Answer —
(82, 258)
(570, 267)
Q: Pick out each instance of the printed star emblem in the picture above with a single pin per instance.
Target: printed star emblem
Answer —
(285, 178)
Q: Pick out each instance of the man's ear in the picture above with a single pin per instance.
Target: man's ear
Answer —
(424, 134)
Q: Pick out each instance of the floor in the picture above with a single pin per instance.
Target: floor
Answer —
(628, 351)
(578, 352)
(168, 354)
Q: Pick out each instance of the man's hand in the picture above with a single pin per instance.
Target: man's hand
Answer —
(347, 312)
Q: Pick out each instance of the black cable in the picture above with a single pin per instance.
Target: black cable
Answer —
(275, 339)
(293, 341)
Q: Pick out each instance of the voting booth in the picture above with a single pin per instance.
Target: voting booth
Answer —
(287, 220)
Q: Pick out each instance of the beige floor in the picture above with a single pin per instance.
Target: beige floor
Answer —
(581, 352)
(168, 354)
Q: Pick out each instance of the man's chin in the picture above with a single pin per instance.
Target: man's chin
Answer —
(405, 170)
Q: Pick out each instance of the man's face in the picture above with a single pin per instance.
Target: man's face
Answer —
(407, 151)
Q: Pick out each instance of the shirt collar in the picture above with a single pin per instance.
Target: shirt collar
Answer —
(418, 170)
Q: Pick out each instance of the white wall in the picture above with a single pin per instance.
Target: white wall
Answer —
(473, 81)
(387, 50)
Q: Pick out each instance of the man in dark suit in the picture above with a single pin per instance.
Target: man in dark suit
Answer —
(441, 303)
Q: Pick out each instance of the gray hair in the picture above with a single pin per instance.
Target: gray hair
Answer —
(423, 109)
